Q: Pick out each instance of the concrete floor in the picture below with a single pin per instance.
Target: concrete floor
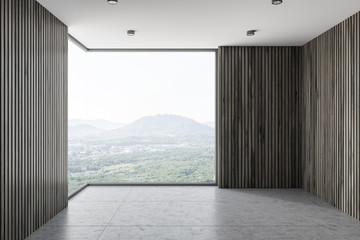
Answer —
(197, 213)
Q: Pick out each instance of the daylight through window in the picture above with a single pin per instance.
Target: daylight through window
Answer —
(141, 117)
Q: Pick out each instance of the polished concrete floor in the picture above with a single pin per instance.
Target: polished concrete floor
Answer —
(197, 213)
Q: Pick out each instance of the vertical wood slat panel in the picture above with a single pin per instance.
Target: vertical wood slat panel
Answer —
(331, 116)
(33, 98)
(257, 98)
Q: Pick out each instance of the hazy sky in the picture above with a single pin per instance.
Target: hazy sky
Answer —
(122, 87)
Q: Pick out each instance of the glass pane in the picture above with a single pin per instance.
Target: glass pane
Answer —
(141, 117)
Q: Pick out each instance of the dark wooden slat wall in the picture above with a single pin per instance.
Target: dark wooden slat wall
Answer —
(331, 116)
(33, 117)
(258, 103)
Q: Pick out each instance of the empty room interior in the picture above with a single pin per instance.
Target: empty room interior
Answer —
(192, 119)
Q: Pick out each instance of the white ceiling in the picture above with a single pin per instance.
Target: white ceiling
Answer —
(198, 23)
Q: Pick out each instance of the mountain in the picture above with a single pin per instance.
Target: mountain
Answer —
(210, 124)
(84, 130)
(99, 123)
(164, 125)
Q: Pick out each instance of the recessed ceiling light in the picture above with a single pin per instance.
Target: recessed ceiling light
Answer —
(277, 2)
(250, 33)
(112, 2)
(131, 32)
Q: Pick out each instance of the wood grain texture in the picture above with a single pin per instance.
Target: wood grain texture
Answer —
(258, 112)
(33, 117)
(331, 116)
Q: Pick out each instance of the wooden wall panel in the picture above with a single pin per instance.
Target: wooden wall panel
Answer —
(33, 117)
(259, 134)
(331, 116)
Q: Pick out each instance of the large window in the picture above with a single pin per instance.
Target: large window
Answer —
(141, 117)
